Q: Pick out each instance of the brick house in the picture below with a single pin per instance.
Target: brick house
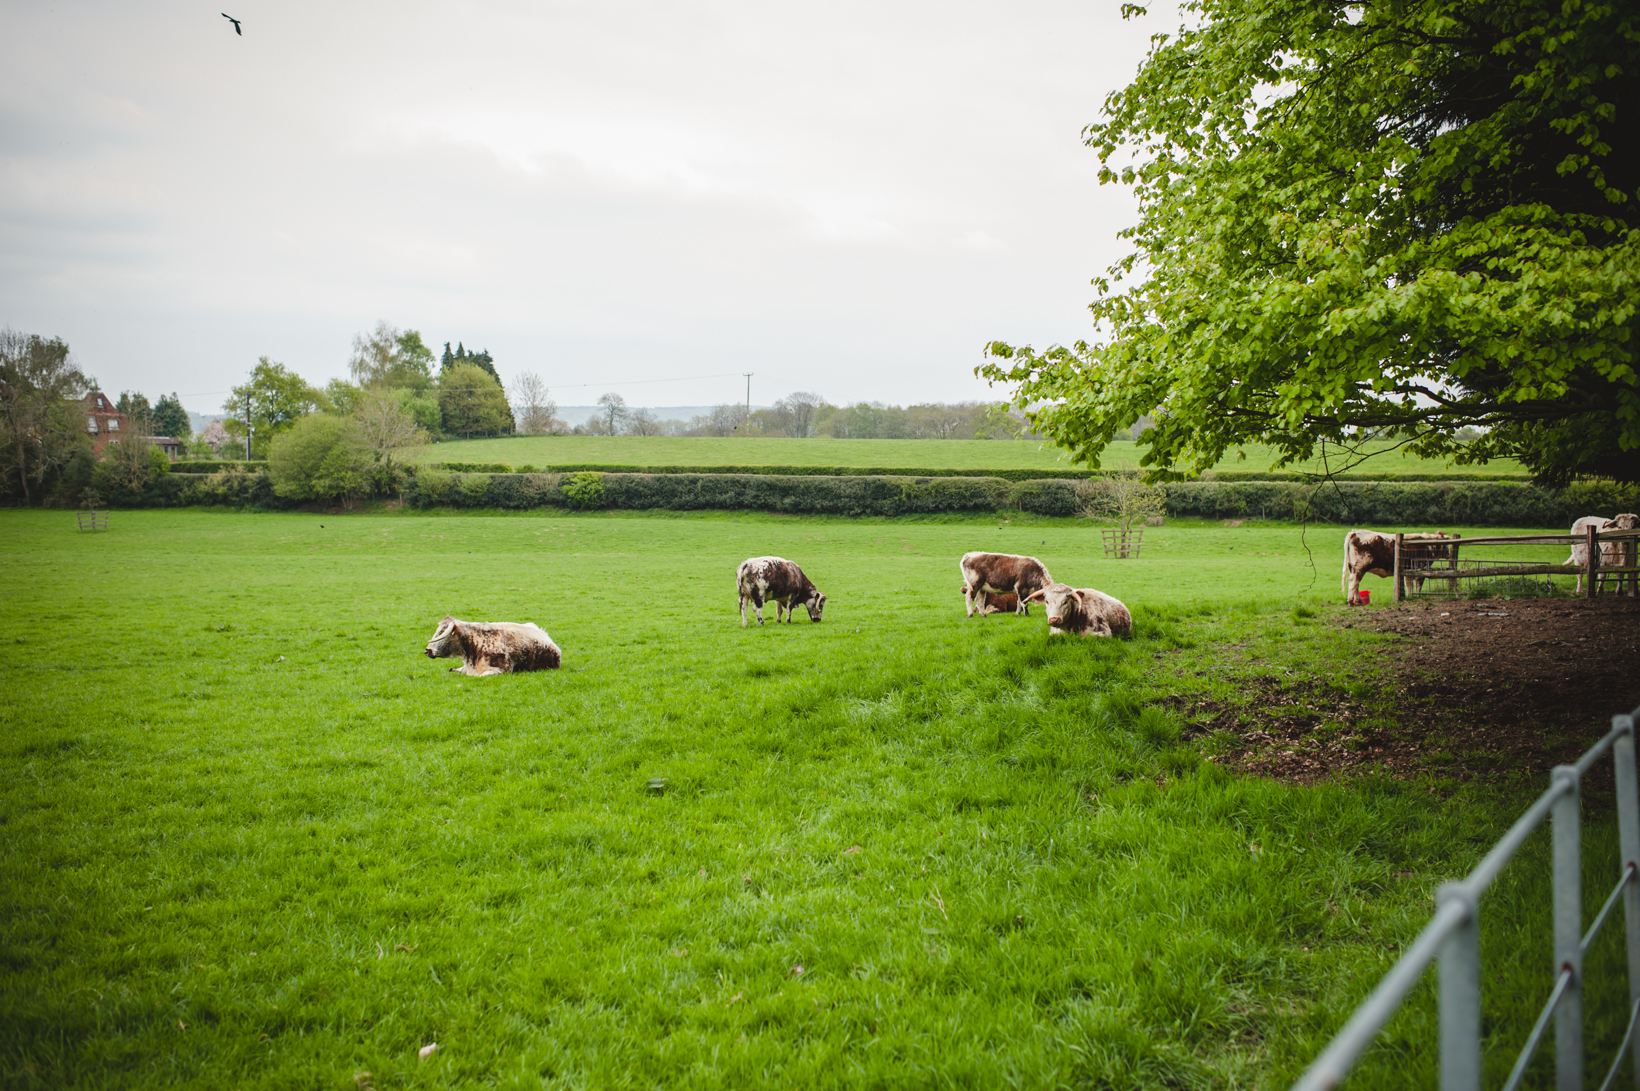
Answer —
(104, 423)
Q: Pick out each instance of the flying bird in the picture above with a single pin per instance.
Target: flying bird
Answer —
(235, 23)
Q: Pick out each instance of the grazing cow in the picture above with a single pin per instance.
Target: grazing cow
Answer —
(776, 580)
(1082, 611)
(493, 647)
(1369, 551)
(997, 604)
(1000, 574)
(1618, 554)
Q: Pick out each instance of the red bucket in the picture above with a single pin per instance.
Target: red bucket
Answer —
(1366, 596)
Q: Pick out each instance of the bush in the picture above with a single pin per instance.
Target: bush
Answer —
(232, 488)
(317, 459)
(213, 465)
(429, 487)
(584, 490)
(1046, 497)
(1404, 504)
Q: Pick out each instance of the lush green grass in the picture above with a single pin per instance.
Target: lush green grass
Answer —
(887, 453)
(251, 837)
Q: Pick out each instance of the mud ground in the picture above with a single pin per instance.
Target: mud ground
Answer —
(1489, 688)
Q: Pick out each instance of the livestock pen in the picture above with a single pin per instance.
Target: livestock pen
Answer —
(1458, 571)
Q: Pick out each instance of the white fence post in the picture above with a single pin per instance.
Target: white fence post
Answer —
(1460, 969)
(1628, 833)
(1568, 934)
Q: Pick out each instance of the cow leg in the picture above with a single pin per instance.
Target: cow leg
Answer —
(1021, 607)
(757, 604)
(742, 606)
(1352, 587)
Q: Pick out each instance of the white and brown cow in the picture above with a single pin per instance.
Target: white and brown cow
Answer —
(776, 580)
(1619, 554)
(991, 603)
(1000, 574)
(1082, 611)
(493, 647)
(1368, 551)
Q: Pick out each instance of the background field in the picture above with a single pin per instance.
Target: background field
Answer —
(251, 837)
(887, 453)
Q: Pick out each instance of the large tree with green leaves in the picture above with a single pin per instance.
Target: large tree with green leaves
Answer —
(472, 403)
(1399, 219)
(170, 419)
(42, 423)
(276, 397)
(393, 358)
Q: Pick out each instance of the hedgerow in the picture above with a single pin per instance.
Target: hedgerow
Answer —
(1366, 503)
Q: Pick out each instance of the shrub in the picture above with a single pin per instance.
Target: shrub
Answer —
(474, 488)
(585, 490)
(1046, 497)
(430, 487)
(212, 465)
(232, 488)
(317, 459)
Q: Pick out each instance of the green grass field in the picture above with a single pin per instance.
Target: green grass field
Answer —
(253, 838)
(887, 453)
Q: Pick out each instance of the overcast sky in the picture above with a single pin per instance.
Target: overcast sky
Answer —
(850, 198)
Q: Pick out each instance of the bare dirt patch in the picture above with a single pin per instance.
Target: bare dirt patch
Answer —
(1480, 688)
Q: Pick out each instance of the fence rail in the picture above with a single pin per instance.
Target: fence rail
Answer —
(1452, 938)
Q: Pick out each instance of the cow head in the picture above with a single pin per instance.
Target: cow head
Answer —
(815, 603)
(444, 644)
(1058, 598)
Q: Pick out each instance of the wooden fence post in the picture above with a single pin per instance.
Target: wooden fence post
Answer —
(1398, 589)
(1594, 560)
(1453, 584)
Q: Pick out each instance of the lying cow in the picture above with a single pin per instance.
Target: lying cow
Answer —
(1369, 551)
(493, 647)
(1082, 611)
(1619, 554)
(996, 604)
(776, 580)
(1000, 574)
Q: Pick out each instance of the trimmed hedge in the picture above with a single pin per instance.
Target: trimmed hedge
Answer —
(1065, 473)
(1251, 475)
(848, 495)
(1380, 504)
(776, 471)
(212, 465)
(1485, 503)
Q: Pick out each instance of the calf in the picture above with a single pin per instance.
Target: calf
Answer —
(493, 647)
(1369, 551)
(776, 580)
(1083, 611)
(996, 604)
(1000, 574)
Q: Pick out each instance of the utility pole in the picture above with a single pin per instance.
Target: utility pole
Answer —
(748, 375)
(247, 426)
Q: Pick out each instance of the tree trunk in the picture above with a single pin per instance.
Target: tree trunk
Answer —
(22, 467)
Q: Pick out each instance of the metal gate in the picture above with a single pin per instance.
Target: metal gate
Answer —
(1452, 937)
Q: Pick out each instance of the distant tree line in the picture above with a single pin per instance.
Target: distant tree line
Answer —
(804, 415)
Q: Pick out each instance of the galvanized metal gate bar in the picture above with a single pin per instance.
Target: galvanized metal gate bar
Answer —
(1452, 937)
